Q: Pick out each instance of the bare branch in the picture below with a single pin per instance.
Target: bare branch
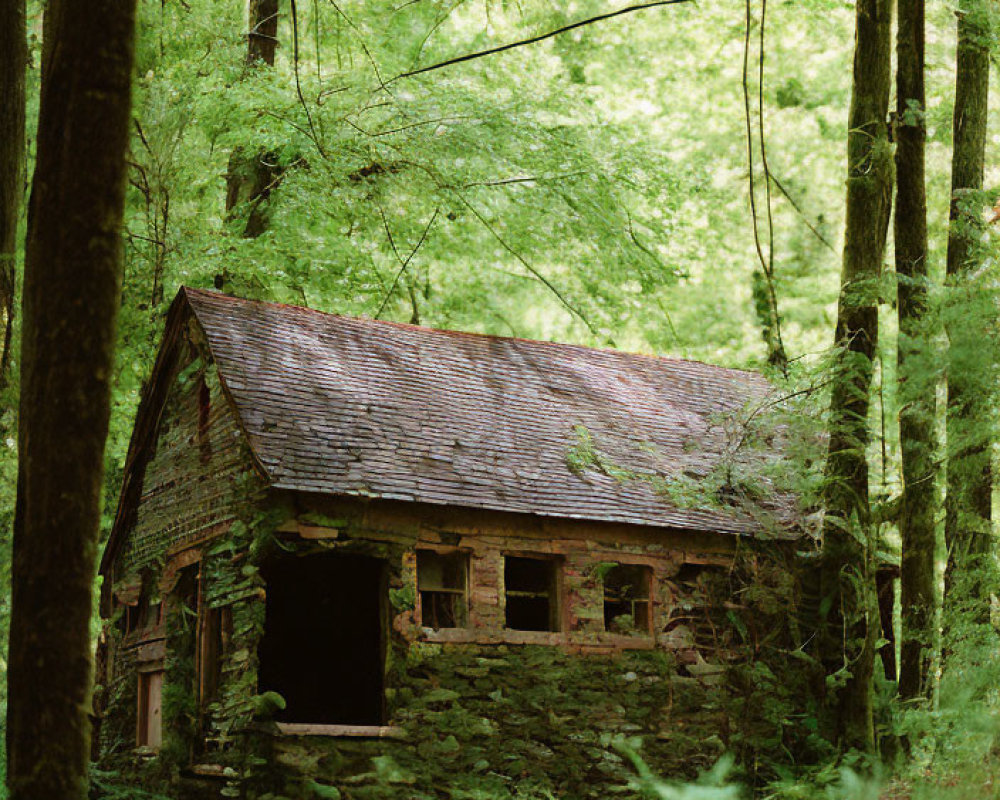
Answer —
(409, 258)
(298, 83)
(538, 275)
(539, 38)
(798, 209)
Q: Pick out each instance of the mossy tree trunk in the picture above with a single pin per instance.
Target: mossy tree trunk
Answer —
(968, 510)
(13, 62)
(72, 291)
(250, 178)
(915, 360)
(847, 640)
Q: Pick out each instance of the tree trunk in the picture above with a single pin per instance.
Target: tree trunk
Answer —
(72, 292)
(250, 178)
(968, 510)
(13, 62)
(262, 39)
(847, 641)
(915, 363)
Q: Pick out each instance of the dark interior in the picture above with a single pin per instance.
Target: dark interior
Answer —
(530, 585)
(322, 649)
(626, 598)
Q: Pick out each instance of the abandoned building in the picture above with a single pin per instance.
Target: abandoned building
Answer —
(355, 558)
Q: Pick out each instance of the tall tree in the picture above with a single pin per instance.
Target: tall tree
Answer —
(847, 641)
(13, 62)
(250, 178)
(72, 292)
(969, 478)
(917, 388)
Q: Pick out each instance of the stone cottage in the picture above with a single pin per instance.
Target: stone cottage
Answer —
(355, 558)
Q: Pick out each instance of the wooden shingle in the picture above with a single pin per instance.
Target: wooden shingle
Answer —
(366, 408)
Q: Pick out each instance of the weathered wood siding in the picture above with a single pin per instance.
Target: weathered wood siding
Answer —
(198, 480)
(197, 477)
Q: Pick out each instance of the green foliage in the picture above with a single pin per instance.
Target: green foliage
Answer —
(591, 188)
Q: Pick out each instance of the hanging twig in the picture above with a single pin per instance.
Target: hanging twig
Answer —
(767, 184)
(319, 61)
(766, 263)
(538, 275)
(298, 83)
(653, 257)
(541, 37)
(801, 213)
(361, 41)
(409, 258)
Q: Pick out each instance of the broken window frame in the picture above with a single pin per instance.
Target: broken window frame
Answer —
(553, 593)
(459, 595)
(143, 619)
(644, 603)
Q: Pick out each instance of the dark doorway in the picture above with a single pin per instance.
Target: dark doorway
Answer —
(323, 645)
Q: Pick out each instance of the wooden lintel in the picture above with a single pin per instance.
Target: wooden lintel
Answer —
(356, 731)
(317, 532)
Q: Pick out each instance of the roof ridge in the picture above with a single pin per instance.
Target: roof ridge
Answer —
(213, 295)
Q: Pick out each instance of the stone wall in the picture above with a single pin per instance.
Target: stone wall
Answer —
(486, 712)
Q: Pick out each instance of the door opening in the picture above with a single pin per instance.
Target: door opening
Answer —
(323, 649)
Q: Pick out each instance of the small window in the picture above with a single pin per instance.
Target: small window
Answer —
(626, 599)
(531, 593)
(442, 580)
(149, 730)
(204, 418)
(154, 614)
(130, 619)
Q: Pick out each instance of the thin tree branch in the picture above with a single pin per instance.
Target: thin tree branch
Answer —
(801, 213)
(527, 179)
(653, 257)
(767, 191)
(298, 83)
(538, 275)
(766, 263)
(541, 37)
(361, 41)
(405, 263)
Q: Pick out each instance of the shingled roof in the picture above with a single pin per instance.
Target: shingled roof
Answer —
(360, 407)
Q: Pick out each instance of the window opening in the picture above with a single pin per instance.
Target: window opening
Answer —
(149, 731)
(323, 648)
(442, 581)
(130, 618)
(204, 409)
(531, 593)
(626, 599)
(154, 614)
(145, 612)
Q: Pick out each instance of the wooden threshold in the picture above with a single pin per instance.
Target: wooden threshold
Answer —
(356, 731)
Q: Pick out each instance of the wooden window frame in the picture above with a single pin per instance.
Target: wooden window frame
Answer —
(464, 594)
